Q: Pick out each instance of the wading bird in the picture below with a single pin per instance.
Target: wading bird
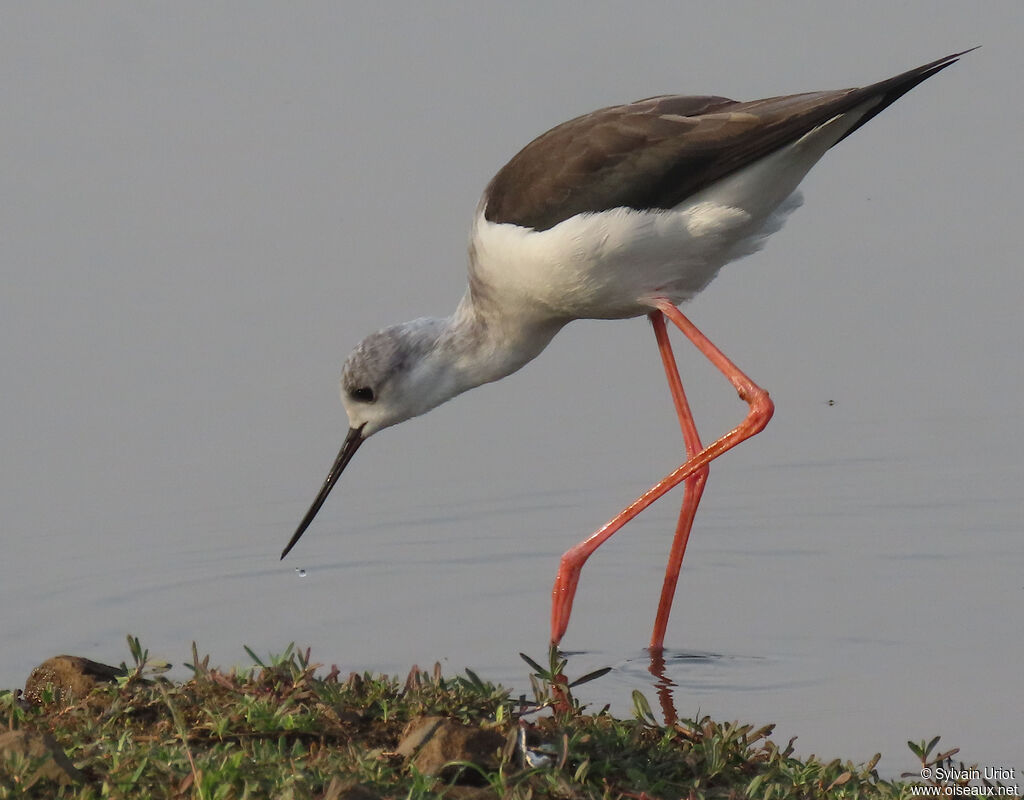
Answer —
(627, 211)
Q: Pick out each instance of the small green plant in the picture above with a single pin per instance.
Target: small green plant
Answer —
(924, 752)
(642, 709)
(551, 687)
(143, 666)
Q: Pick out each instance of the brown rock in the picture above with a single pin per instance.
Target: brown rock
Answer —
(71, 677)
(430, 743)
(56, 767)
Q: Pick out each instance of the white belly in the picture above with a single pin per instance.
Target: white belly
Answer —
(610, 265)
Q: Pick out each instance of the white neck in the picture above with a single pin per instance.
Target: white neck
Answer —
(483, 345)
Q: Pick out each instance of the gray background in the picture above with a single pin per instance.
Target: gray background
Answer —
(205, 207)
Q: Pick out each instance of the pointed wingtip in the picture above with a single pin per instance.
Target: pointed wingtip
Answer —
(954, 56)
(928, 70)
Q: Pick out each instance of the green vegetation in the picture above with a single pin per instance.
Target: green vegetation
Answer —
(278, 730)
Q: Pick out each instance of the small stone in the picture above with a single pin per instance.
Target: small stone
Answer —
(72, 677)
(430, 743)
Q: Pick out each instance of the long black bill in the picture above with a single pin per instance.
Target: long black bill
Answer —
(348, 449)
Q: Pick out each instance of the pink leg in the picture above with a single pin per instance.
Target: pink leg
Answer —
(761, 409)
(693, 488)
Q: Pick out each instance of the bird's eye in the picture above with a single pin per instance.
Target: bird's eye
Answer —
(364, 394)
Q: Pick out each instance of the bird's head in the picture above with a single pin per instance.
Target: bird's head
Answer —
(392, 375)
(395, 374)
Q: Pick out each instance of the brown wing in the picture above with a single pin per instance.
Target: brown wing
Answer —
(655, 153)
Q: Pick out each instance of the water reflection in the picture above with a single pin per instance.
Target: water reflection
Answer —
(674, 676)
(664, 685)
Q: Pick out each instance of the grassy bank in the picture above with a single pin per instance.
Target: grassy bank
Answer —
(288, 728)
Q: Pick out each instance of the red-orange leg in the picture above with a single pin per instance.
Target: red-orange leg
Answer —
(692, 490)
(760, 412)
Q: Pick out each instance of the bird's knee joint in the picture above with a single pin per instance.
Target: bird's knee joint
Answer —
(761, 408)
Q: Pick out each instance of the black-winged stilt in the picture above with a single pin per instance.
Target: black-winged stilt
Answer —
(627, 211)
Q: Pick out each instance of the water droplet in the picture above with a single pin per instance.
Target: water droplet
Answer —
(301, 572)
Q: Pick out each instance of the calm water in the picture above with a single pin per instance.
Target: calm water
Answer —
(202, 213)
(857, 601)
